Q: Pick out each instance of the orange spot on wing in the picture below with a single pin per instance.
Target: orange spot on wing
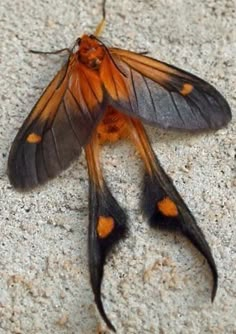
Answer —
(105, 226)
(33, 138)
(167, 207)
(186, 89)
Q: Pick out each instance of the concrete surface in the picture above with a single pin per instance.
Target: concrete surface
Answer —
(154, 282)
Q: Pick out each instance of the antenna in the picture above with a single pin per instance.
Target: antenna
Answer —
(102, 23)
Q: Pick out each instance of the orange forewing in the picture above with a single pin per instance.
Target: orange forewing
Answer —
(88, 83)
(113, 79)
(41, 108)
(63, 119)
(166, 96)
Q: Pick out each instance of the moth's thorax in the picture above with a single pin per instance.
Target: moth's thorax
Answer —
(90, 52)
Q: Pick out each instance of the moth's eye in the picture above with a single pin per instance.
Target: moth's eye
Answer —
(78, 41)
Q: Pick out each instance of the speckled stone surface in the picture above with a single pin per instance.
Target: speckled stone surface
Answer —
(154, 282)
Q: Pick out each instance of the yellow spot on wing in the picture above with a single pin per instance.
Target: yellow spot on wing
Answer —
(105, 226)
(33, 138)
(167, 207)
(186, 89)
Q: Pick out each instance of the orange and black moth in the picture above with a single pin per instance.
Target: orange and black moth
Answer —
(103, 94)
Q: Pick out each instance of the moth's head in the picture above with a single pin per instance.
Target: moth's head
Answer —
(90, 51)
(88, 41)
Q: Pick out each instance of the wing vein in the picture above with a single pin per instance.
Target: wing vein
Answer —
(134, 88)
(56, 148)
(188, 99)
(92, 90)
(85, 113)
(114, 83)
(71, 123)
(151, 98)
(176, 107)
(157, 82)
(184, 76)
(45, 164)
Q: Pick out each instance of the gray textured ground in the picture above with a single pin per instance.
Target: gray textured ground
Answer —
(154, 282)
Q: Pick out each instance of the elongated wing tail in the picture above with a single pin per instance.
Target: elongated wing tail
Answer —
(107, 226)
(162, 203)
(165, 209)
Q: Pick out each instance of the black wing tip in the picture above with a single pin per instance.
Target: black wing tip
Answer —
(214, 272)
(16, 170)
(222, 119)
(19, 183)
(96, 276)
(21, 179)
(101, 310)
(214, 289)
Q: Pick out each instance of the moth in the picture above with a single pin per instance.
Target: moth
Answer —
(103, 94)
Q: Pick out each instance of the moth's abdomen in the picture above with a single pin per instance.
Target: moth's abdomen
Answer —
(114, 126)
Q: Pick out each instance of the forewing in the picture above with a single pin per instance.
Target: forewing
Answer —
(161, 94)
(58, 127)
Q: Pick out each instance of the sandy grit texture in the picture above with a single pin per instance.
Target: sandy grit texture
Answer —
(155, 282)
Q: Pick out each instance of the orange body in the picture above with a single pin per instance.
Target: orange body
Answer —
(112, 127)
